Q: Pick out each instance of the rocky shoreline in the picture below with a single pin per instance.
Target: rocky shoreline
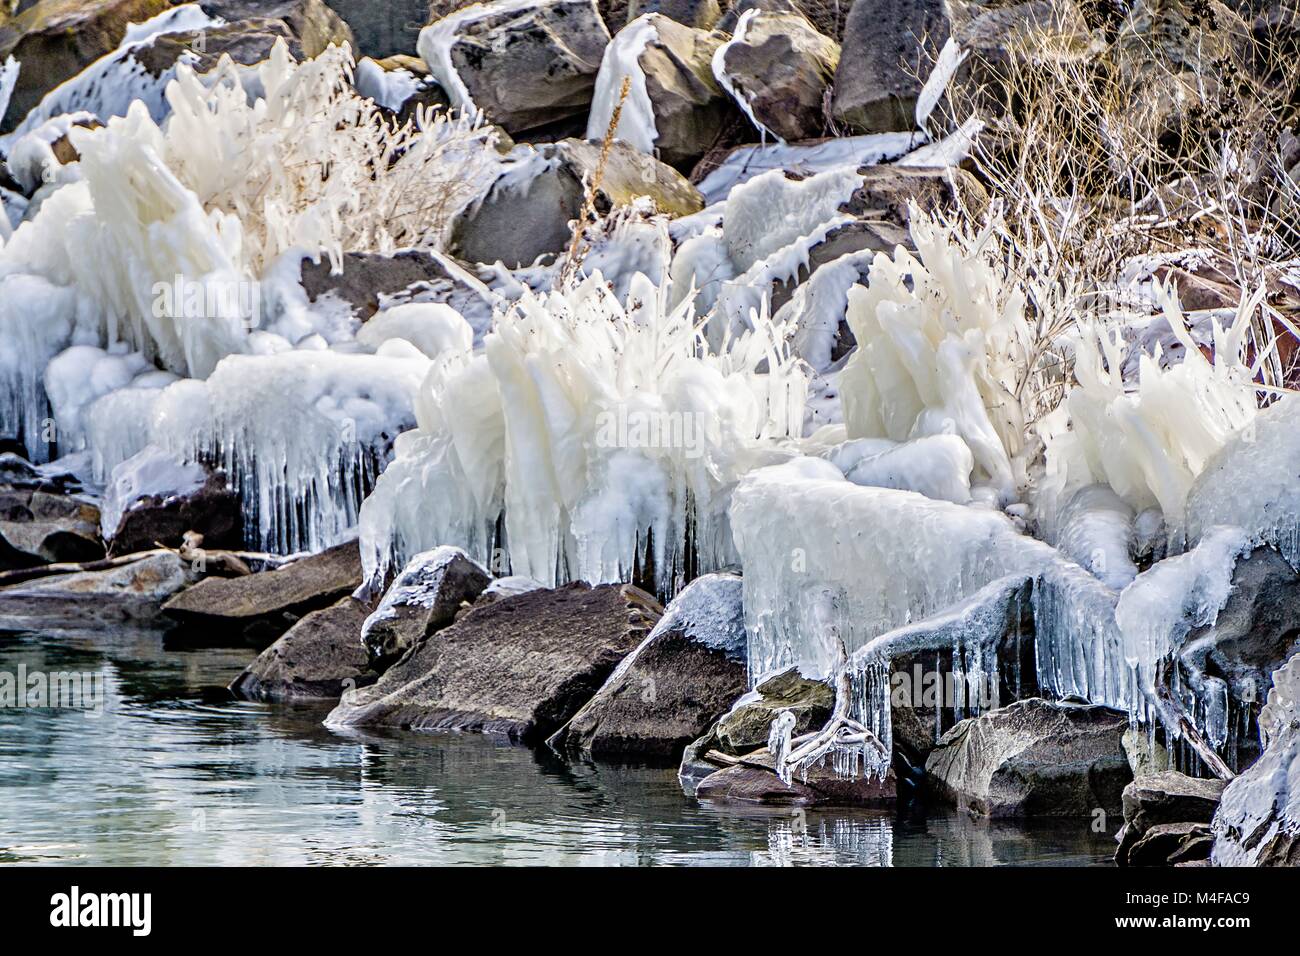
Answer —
(972, 482)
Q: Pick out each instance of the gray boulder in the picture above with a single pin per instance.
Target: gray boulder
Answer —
(701, 14)
(1162, 809)
(258, 608)
(524, 67)
(520, 667)
(524, 217)
(383, 27)
(668, 691)
(1033, 758)
(424, 598)
(43, 528)
(129, 595)
(318, 658)
(781, 67)
(877, 84)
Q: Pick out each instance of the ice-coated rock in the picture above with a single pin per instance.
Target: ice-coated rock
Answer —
(668, 691)
(519, 667)
(425, 597)
(54, 42)
(1258, 821)
(675, 108)
(152, 500)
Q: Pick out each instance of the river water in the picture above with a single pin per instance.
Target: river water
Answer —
(171, 771)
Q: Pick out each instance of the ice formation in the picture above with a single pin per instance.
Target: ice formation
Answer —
(303, 466)
(1161, 607)
(937, 466)
(636, 123)
(720, 74)
(945, 68)
(826, 558)
(942, 340)
(1253, 482)
(8, 80)
(389, 88)
(589, 440)
(1263, 804)
(745, 162)
(1150, 443)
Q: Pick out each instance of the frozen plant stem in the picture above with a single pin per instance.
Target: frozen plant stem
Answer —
(843, 738)
(588, 211)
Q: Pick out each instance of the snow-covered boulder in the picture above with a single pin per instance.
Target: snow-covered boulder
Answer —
(526, 213)
(152, 499)
(520, 667)
(317, 659)
(425, 597)
(777, 68)
(1258, 822)
(1033, 758)
(524, 63)
(675, 108)
(668, 691)
(876, 85)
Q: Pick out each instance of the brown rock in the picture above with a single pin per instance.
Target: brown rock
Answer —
(319, 658)
(258, 608)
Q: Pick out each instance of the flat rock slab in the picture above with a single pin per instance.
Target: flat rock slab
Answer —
(131, 595)
(259, 608)
(318, 659)
(754, 780)
(521, 666)
(1033, 758)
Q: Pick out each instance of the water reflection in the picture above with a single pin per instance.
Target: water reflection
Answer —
(172, 772)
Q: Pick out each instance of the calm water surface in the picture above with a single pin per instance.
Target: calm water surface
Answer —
(174, 773)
